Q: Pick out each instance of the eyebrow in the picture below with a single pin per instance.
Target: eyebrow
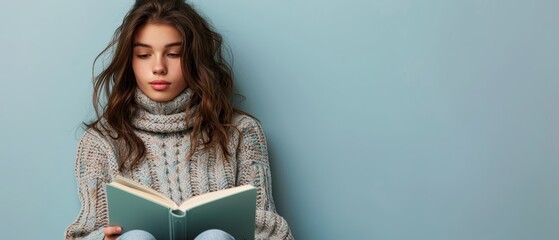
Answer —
(139, 44)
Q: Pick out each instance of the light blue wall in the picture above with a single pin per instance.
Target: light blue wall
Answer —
(386, 119)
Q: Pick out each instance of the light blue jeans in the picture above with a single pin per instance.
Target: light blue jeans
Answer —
(212, 234)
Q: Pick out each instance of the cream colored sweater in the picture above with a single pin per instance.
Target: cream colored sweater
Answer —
(165, 131)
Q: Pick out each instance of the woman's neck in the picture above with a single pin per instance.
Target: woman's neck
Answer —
(163, 117)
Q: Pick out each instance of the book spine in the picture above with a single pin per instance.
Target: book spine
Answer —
(177, 224)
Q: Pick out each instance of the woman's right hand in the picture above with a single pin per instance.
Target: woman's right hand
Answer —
(112, 232)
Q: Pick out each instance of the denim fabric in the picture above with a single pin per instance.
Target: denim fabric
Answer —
(136, 235)
(212, 234)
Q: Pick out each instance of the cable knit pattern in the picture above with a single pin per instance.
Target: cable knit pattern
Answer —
(165, 130)
(164, 117)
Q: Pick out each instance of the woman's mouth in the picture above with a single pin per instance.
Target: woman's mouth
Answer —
(159, 85)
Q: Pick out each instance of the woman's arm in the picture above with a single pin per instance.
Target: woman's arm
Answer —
(91, 170)
(254, 168)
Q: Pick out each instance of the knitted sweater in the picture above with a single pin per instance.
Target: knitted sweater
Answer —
(165, 131)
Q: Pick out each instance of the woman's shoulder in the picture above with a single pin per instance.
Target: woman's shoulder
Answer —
(97, 132)
(97, 137)
(246, 122)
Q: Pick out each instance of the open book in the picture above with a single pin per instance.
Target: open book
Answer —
(134, 206)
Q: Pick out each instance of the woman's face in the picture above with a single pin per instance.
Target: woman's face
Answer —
(156, 61)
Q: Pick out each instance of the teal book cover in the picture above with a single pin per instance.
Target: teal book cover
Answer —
(133, 206)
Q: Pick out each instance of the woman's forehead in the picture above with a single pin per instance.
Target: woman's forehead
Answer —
(154, 35)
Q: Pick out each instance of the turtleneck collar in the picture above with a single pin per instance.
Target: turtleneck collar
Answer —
(162, 117)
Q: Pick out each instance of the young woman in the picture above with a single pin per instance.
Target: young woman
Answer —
(168, 123)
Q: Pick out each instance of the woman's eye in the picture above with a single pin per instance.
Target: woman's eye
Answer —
(173, 55)
(142, 55)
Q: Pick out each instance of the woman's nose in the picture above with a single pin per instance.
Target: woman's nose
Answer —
(159, 67)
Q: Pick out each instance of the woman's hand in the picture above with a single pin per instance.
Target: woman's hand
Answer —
(112, 232)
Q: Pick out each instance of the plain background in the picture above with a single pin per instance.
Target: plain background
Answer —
(386, 119)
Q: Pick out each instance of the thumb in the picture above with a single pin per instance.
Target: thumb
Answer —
(112, 230)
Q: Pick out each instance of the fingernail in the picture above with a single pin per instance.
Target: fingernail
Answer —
(120, 229)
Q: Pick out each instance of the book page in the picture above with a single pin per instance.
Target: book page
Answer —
(211, 196)
(143, 191)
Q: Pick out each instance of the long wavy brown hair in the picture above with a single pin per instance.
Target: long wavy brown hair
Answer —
(205, 70)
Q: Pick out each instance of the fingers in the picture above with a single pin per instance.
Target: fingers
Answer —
(112, 230)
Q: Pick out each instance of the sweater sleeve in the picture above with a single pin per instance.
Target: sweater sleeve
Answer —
(91, 174)
(254, 168)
